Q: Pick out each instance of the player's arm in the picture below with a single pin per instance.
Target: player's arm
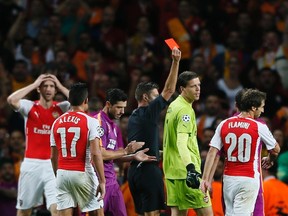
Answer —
(97, 159)
(59, 86)
(209, 169)
(14, 99)
(54, 158)
(268, 161)
(192, 179)
(54, 151)
(138, 156)
(124, 152)
(170, 84)
(213, 169)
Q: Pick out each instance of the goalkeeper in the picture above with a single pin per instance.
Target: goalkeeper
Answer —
(181, 158)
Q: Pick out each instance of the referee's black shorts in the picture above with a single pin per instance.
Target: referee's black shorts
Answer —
(146, 186)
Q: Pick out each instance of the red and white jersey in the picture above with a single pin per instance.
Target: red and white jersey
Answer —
(71, 134)
(37, 123)
(240, 139)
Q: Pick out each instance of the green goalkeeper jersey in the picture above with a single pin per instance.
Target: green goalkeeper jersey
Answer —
(180, 118)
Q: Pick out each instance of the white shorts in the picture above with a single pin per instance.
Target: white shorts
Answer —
(75, 187)
(240, 195)
(36, 177)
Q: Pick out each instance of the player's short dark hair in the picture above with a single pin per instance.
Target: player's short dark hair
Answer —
(238, 98)
(115, 95)
(78, 94)
(252, 98)
(144, 88)
(185, 77)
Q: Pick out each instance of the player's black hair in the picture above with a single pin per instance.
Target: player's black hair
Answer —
(115, 95)
(78, 94)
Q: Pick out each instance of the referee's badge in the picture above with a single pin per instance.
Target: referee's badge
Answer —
(100, 131)
(186, 118)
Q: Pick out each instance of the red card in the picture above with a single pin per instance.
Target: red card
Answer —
(171, 43)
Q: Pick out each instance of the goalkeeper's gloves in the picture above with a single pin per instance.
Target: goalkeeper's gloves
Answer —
(193, 177)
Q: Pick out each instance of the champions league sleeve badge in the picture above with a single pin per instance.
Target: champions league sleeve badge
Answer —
(100, 131)
(185, 118)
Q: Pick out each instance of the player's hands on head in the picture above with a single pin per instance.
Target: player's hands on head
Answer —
(101, 191)
(40, 79)
(141, 156)
(133, 147)
(193, 177)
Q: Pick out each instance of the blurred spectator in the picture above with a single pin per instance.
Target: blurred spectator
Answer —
(212, 108)
(281, 15)
(43, 53)
(183, 29)
(204, 141)
(20, 75)
(231, 84)
(54, 24)
(36, 18)
(233, 48)
(104, 33)
(138, 8)
(247, 32)
(24, 51)
(265, 56)
(8, 12)
(8, 188)
(4, 142)
(95, 104)
(17, 148)
(143, 48)
(207, 74)
(281, 139)
(62, 68)
(207, 47)
(81, 55)
(268, 82)
(275, 193)
(74, 16)
(281, 58)
(282, 170)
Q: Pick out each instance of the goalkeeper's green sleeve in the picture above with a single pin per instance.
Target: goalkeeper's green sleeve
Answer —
(182, 139)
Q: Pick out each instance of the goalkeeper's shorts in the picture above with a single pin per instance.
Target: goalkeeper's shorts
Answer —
(184, 197)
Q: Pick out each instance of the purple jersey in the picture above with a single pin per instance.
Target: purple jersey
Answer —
(111, 139)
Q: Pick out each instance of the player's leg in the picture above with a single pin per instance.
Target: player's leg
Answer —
(134, 177)
(66, 212)
(114, 203)
(24, 212)
(244, 202)
(30, 187)
(50, 189)
(176, 212)
(152, 196)
(207, 211)
(152, 213)
(89, 183)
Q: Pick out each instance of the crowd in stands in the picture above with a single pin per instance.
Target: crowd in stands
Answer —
(118, 43)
